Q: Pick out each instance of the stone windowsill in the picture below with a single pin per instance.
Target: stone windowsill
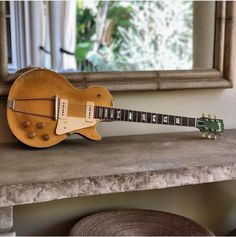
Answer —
(119, 164)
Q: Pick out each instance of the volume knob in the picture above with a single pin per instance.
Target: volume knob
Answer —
(31, 135)
(45, 137)
(26, 124)
(40, 125)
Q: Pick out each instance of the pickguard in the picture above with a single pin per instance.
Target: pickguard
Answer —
(71, 124)
(67, 124)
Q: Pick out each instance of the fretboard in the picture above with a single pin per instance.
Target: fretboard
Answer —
(116, 114)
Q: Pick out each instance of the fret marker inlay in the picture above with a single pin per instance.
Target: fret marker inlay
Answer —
(177, 120)
(165, 119)
(118, 114)
(130, 115)
(154, 118)
(144, 117)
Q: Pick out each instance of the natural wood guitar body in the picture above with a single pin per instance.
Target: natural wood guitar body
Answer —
(33, 93)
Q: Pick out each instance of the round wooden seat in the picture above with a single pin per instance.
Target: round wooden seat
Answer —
(137, 222)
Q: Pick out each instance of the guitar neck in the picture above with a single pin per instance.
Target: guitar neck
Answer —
(117, 114)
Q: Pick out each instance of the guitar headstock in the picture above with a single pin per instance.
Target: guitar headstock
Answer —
(210, 126)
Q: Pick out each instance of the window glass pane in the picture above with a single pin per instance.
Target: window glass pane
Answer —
(7, 7)
(140, 35)
(9, 43)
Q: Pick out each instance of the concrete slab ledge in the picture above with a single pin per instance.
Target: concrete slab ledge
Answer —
(121, 164)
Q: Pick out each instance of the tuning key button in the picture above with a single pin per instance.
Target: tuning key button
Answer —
(45, 137)
(31, 135)
(209, 136)
(215, 137)
(26, 124)
(40, 125)
(203, 134)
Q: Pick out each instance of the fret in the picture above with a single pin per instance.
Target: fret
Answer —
(184, 121)
(160, 119)
(114, 114)
(122, 115)
(108, 113)
(139, 117)
(191, 122)
(126, 115)
(149, 117)
(135, 117)
(95, 112)
(171, 120)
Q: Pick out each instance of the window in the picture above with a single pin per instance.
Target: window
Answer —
(11, 35)
(217, 74)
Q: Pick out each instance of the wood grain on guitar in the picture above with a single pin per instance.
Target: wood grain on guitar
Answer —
(44, 108)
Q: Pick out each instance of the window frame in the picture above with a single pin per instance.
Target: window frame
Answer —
(220, 76)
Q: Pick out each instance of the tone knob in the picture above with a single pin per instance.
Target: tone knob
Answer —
(26, 124)
(45, 137)
(40, 125)
(31, 135)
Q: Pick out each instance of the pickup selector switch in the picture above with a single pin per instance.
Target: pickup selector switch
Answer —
(40, 125)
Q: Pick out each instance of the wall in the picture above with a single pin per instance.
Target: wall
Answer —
(212, 205)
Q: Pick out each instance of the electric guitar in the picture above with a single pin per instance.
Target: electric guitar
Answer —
(43, 109)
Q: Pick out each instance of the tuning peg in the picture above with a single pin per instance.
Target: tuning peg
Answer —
(209, 116)
(209, 136)
(203, 134)
(204, 114)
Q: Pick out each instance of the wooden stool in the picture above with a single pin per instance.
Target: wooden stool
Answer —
(137, 222)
